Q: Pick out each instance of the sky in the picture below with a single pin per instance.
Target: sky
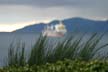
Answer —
(15, 14)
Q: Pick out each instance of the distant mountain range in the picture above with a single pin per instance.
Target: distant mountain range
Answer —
(72, 25)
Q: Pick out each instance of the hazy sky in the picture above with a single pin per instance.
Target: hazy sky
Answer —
(15, 14)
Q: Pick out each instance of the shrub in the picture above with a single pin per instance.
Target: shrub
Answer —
(63, 66)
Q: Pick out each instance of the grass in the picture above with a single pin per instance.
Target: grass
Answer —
(66, 65)
(44, 52)
(16, 55)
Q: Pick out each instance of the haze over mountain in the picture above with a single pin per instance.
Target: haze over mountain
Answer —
(75, 24)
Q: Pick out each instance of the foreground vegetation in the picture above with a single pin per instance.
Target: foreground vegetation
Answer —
(70, 54)
(63, 66)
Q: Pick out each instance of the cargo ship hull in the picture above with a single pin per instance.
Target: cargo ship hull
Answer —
(53, 34)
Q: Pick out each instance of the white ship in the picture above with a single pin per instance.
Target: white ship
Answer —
(55, 31)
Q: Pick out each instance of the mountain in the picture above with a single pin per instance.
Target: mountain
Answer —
(32, 28)
(72, 24)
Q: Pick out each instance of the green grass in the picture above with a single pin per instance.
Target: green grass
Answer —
(63, 66)
(44, 52)
(16, 55)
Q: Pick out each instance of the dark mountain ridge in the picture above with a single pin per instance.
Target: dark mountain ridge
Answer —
(72, 25)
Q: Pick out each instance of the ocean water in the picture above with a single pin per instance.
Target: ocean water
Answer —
(29, 39)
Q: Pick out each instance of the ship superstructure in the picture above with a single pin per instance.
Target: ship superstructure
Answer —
(55, 31)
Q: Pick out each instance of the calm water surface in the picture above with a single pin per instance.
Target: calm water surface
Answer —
(29, 39)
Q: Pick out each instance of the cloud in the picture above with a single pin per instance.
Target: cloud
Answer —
(17, 12)
(82, 4)
(40, 3)
(25, 10)
(54, 3)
